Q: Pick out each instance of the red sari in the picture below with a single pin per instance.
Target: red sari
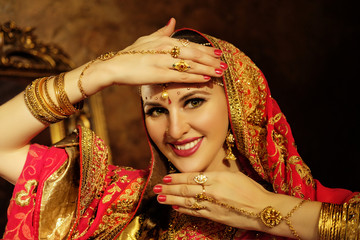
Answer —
(60, 197)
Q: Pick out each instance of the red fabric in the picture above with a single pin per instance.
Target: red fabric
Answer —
(23, 221)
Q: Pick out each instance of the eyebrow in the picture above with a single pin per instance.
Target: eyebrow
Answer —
(186, 96)
(193, 93)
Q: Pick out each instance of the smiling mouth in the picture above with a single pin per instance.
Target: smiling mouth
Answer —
(186, 149)
(188, 146)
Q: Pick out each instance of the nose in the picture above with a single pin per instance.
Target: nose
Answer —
(177, 125)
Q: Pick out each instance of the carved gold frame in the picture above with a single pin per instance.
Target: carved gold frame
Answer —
(23, 58)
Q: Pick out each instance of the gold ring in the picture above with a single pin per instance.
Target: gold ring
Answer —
(175, 52)
(184, 42)
(200, 178)
(181, 66)
(197, 206)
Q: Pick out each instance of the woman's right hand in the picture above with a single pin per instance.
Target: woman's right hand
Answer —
(143, 69)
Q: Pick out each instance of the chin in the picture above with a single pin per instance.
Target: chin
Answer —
(190, 168)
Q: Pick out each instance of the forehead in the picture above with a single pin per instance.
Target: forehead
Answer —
(151, 90)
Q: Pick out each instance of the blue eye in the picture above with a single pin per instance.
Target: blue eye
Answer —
(156, 111)
(194, 102)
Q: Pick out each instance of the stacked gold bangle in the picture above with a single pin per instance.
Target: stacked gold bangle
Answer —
(42, 107)
(339, 221)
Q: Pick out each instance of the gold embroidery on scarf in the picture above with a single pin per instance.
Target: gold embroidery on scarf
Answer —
(120, 211)
(112, 191)
(355, 199)
(246, 89)
(23, 197)
(184, 226)
(276, 118)
(95, 162)
(302, 169)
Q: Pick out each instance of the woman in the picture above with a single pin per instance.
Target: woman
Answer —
(224, 165)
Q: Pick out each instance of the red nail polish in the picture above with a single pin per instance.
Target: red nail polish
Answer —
(223, 65)
(167, 179)
(161, 198)
(207, 77)
(157, 189)
(175, 207)
(218, 52)
(168, 22)
(219, 71)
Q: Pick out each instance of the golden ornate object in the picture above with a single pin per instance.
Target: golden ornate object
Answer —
(200, 178)
(270, 217)
(21, 54)
(181, 66)
(229, 141)
(175, 52)
(164, 93)
(339, 221)
(184, 42)
(197, 206)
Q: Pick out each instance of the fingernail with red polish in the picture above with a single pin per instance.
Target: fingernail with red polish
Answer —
(157, 189)
(161, 198)
(219, 71)
(223, 65)
(167, 179)
(218, 52)
(207, 77)
(168, 22)
(175, 207)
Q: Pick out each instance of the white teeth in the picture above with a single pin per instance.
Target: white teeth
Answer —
(187, 145)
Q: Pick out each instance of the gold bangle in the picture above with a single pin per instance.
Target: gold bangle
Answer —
(339, 221)
(34, 105)
(44, 104)
(353, 223)
(61, 95)
(50, 101)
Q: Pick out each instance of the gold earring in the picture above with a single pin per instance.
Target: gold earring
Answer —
(229, 141)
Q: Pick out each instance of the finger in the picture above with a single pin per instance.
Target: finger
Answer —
(189, 203)
(182, 190)
(186, 178)
(197, 68)
(184, 77)
(166, 30)
(208, 57)
(191, 46)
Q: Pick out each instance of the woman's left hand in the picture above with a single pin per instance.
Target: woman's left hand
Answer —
(228, 188)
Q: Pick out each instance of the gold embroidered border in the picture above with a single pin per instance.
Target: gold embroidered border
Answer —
(246, 89)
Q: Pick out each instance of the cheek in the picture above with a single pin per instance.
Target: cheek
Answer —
(155, 129)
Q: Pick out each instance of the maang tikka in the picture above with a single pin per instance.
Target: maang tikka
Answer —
(229, 141)
(165, 94)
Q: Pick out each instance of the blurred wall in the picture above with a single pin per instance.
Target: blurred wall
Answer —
(308, 50)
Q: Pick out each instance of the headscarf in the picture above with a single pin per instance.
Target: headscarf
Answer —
(262, 133)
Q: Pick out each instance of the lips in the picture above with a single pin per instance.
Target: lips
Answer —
(187, 147)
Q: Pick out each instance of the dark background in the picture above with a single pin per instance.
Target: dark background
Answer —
(308, 51)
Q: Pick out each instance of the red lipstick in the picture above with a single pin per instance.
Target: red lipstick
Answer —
(186, 147)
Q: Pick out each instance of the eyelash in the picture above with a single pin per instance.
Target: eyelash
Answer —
(160, 110)
(200, 101)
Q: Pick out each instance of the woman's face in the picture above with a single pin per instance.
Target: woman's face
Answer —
(190, 126)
